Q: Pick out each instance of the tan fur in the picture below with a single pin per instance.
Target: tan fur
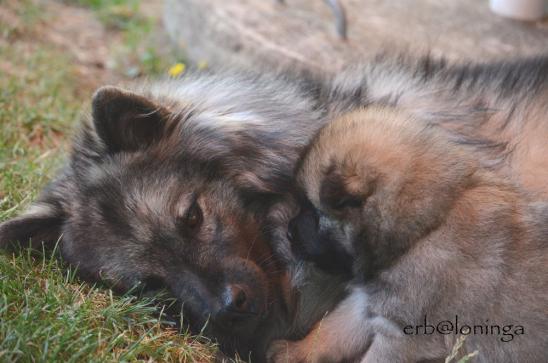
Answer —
(465, 242)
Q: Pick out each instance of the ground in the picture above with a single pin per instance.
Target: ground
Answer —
(52, 56)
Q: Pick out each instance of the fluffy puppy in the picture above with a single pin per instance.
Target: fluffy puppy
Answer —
(438, 245)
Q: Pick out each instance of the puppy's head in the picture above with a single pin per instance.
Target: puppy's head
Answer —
(373, 182)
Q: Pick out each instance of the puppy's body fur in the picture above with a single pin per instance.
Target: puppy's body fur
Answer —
(433, 234)
(228, 142)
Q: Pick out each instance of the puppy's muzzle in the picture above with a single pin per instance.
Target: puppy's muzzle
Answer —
(311, 241)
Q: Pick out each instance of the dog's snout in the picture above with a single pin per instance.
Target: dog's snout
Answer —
(237, 300)
(238, 306)
(304, 226)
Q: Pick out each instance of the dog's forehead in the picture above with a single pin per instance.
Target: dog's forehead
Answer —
(153, 187)
(158, 195)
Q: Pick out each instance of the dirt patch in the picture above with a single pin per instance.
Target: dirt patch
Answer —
(77, 33)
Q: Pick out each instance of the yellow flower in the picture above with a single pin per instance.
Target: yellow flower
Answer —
(177, 69)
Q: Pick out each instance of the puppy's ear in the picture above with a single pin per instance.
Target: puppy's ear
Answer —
(338, 191)
(40, 225)
(126, 121)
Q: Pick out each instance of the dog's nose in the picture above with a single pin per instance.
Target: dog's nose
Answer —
(237, 306)
(304, 226)
(236, 299)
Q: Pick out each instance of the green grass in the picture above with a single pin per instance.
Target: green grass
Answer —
(117, 14)
(46, 313)
(37, 106)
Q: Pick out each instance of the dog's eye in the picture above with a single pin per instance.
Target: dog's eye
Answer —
(193, 218)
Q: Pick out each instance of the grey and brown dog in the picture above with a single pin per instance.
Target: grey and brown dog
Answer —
(187, 184)
(171, 186)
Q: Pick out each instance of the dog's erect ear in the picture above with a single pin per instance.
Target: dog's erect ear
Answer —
(126, 121)
(40, 225)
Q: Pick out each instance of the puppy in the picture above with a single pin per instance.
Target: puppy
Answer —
(439, 247)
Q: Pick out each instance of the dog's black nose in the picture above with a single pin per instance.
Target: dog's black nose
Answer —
(236, 299)
(304, 226)
(237, 306)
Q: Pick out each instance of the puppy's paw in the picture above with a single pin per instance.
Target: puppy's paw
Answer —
(285, 351)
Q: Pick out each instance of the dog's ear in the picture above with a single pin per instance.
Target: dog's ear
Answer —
(126, 121)
(41, 225)
(339, 191)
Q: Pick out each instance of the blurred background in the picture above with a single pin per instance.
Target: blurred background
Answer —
(329, 34)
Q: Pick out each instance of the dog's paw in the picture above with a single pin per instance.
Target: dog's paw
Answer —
(285, 351)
